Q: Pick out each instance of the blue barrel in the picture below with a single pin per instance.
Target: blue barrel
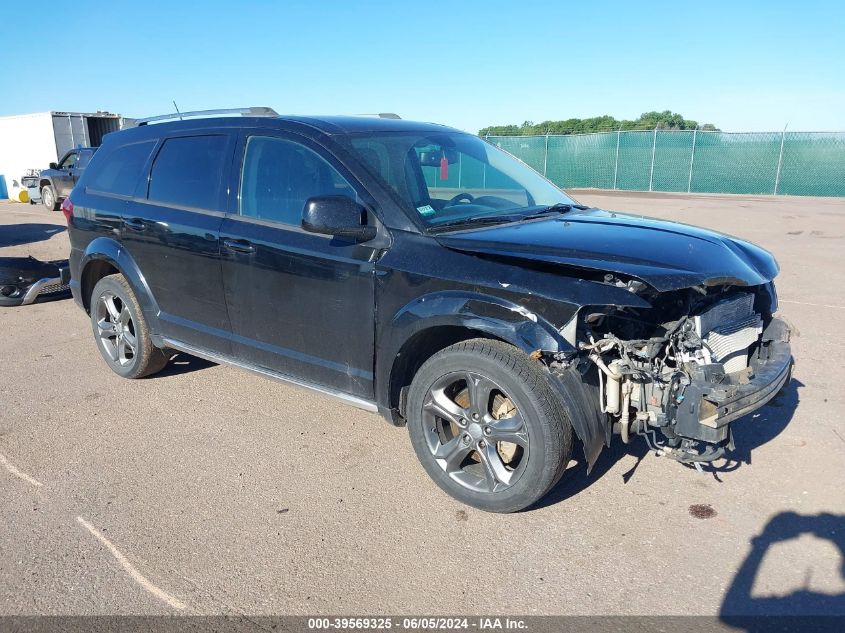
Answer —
(4, 193)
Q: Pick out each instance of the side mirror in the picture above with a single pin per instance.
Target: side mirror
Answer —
(337, 215)
(53, 165)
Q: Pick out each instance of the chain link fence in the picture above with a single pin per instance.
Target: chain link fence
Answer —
(779, 163)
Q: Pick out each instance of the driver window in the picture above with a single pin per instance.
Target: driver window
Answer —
(69, 161)
(279, 176)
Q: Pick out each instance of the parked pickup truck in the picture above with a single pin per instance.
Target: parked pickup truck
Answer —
(60, 178)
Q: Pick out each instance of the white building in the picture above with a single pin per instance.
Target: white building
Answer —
(33, 141)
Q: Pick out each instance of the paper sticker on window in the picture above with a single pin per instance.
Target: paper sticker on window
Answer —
(426, 210)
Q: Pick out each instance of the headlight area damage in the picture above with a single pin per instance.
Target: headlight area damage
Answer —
(678, 373)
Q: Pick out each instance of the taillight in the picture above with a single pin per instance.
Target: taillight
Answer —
(67, 209)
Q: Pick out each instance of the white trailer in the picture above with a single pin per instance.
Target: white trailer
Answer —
(30, 142)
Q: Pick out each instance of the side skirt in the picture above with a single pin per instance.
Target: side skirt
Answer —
(360, 403)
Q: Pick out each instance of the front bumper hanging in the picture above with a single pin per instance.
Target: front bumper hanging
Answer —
(714, 399)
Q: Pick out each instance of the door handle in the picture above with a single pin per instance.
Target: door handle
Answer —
(240, 246)
(135, 224)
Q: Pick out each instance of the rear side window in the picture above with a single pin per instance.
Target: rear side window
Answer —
(118, 171)
(188, 170)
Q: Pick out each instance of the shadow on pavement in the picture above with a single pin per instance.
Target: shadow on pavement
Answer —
(759, 428)
(750, 432)
(576, 479)
(17, 234)
(182, 363)
(808, 610)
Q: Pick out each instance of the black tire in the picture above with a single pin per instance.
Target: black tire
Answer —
(48, 198)
(117, 321)
(548, 436)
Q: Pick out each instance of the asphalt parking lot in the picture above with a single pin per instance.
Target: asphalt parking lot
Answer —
(207, 490)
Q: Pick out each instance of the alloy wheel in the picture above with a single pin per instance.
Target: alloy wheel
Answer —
(475, 432)
(116, 329)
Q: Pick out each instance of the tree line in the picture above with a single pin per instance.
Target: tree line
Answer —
(665, 120)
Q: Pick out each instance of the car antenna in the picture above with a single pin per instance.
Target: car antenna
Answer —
(177, 109)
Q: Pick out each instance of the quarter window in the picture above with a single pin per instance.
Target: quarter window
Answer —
(188, 170)
(280, 175)
(118, 171)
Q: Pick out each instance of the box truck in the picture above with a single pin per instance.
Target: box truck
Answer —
(30, 142)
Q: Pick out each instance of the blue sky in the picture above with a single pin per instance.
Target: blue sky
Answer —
(740, 65)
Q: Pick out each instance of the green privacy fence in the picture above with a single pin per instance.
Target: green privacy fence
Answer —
(780, 163)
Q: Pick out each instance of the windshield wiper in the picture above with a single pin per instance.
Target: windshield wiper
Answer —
(480, 220)
(560, 207)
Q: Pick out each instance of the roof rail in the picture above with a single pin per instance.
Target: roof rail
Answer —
(252, 111)
(383, 115)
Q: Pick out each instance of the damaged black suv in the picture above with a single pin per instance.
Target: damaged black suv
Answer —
(421, 272)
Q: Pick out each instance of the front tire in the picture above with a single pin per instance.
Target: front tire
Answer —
(48, 198)
(120, 330)
(486, 426)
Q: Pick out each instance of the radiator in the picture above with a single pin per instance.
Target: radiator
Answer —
(727, 329)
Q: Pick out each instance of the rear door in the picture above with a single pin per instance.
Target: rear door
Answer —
(300, 304)
(101, 199)
(172, 227)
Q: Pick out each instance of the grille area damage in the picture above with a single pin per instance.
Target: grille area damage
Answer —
(678, 374)
(726, 331)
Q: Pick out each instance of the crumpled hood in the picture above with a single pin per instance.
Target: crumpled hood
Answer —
(666, 255)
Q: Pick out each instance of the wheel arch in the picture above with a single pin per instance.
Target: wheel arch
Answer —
(434, 322)
(417, 350)
(105, 256)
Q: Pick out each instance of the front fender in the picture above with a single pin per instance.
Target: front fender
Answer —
(491, 316)
(498, 317)
(108, 250)
(509, 322)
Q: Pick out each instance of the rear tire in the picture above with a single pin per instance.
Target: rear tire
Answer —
(121, 331)
(48, 198)
(486, 426)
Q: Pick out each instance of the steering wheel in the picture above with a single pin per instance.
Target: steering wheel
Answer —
(461, 196)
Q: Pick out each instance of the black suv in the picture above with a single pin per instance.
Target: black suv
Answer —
(57, 181)
(421, 272)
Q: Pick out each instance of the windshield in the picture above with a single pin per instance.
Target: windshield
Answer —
(455, 179)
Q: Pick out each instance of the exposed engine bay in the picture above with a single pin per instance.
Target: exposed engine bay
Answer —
(677, 374)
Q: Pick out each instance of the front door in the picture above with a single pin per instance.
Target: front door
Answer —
(63, 181)
(300, 304)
